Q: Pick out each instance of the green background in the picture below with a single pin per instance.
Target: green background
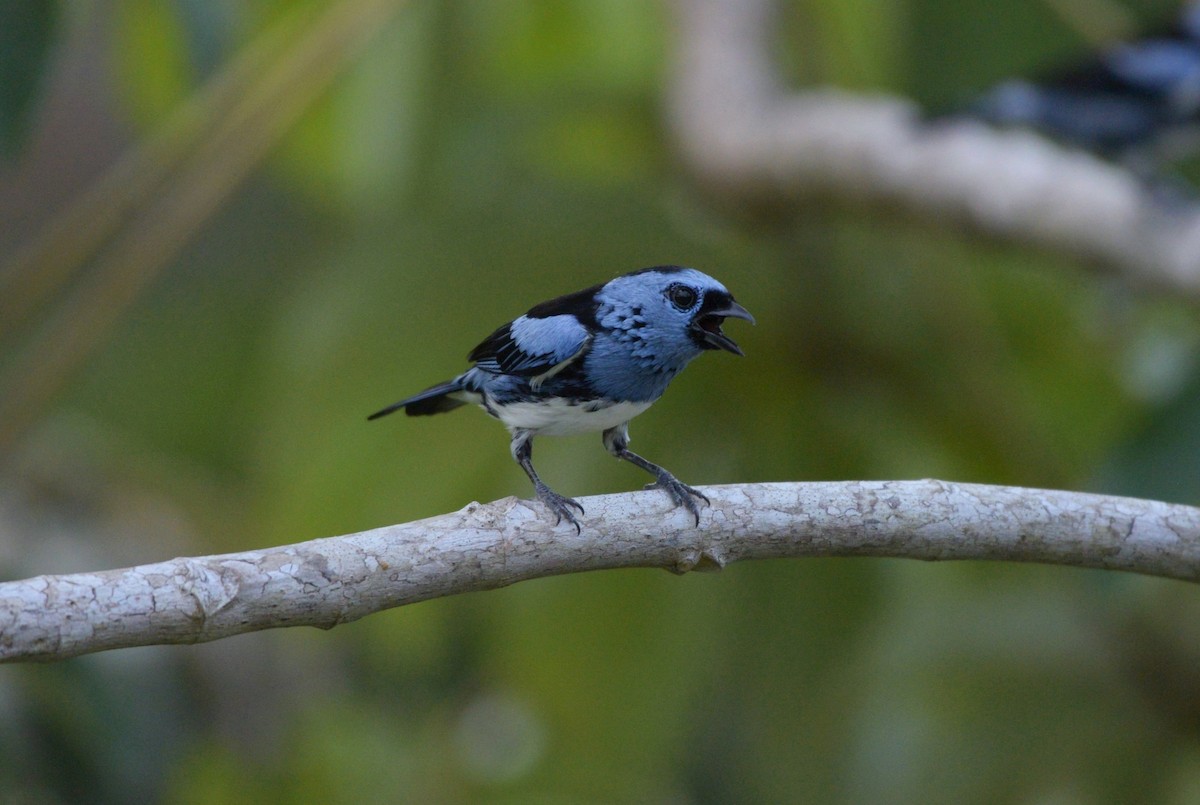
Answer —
(479, 157)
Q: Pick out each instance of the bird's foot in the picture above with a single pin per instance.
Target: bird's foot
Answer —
(681, 493)
(560, 506)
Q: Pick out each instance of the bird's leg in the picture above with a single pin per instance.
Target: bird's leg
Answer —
(560, 505)
(616, 441)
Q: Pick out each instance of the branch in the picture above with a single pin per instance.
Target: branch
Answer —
(745, 135)
(329, 581)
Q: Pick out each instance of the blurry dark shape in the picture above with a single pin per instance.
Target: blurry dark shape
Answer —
(27, 29)
(1137, 102)
(1159, 660)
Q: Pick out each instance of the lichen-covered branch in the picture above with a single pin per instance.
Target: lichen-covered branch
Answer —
(329, 581)
(747, 136)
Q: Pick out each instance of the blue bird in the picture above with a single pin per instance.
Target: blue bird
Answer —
(591, 361)
(1135, 96)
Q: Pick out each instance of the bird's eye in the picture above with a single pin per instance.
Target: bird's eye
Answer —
(681, 296)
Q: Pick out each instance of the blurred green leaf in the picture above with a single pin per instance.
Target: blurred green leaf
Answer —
(858, 42)
(153, 59)
(359, 146)
(27, 32)
(528, 49)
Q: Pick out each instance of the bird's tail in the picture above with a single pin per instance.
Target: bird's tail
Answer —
(433, 400)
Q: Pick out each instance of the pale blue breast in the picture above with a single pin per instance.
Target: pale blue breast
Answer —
(632, 359)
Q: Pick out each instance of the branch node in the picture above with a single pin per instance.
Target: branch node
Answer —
(211, 589)
(702, 560)
(712, 560)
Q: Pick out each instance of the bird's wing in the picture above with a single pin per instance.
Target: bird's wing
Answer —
(537, 347)
(1158, 66)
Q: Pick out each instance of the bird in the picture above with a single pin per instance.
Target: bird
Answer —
(1135, 100)
(591, 361)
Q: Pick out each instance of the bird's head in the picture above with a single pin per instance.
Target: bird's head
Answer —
(674, 309)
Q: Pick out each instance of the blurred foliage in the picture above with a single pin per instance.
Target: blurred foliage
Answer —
(27, 29)
(478, 158)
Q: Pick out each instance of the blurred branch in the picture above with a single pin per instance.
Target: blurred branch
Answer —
(176, 182)
(330, 581)
(747, 136)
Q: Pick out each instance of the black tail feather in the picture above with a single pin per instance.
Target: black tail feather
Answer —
(433, 400)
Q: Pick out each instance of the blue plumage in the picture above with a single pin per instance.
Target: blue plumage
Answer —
(1129, 100)
(591, 361)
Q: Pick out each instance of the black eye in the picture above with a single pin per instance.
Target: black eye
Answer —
(681, 296)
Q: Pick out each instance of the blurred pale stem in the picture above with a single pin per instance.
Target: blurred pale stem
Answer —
(330, 581)
(74, 234)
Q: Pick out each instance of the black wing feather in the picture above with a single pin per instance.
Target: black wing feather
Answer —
(501, 352)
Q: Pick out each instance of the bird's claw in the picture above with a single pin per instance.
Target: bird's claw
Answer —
(682, 494)
(560, 506)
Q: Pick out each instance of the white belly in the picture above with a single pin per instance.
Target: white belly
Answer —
(556, 417)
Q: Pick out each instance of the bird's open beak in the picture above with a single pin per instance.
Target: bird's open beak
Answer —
(708, 326)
